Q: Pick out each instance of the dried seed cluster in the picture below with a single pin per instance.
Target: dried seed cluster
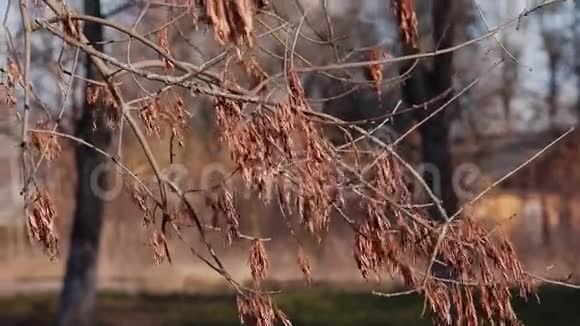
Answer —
(489, 267)
(101, 98)
(46, 143)
(13, 78)
(140, 198)
(259, 262)
(169, 109)
(232, 20)
(159, 245)
(305, 266)
(258, 309)
(284, 146)
(281, 149)
(71, 26)
(264, 146)
(40, 214)
(376, 70)
(408, 25)
(164, 44)
(225, 215)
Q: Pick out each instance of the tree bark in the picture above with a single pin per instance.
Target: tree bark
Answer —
(576, 33)
(552, 47)
(78, 294)
(427, 86)
(435, 133)
(423, 86)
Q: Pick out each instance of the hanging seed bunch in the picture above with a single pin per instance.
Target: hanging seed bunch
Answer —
(225, 214)
(264, 145)
(282, 144)
(487, 269)
(259, 262)
(398, 238)
(169, 109)
(149, 114)
(40, 215)
(232, 20)
(376, 70)
(140, 197)
(158, 243)
(163, 40)
(12, 79)
(258, 309)
(393, 235)
(45, 143)
(405, 13)
(102, 100)
(71, 26)
(305, 265)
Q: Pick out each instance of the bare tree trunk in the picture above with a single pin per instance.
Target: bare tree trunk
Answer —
(427, 85)
(546, 227)
(576, 33)
(78, 294)
(552, 47)
(424, 86)
(510, 76)
(435, 133)
(553, 90)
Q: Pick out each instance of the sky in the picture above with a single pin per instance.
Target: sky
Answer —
(495, 12)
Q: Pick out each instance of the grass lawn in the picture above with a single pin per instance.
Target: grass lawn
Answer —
(318, 306)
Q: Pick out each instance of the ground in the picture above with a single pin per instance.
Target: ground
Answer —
(313, 307)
